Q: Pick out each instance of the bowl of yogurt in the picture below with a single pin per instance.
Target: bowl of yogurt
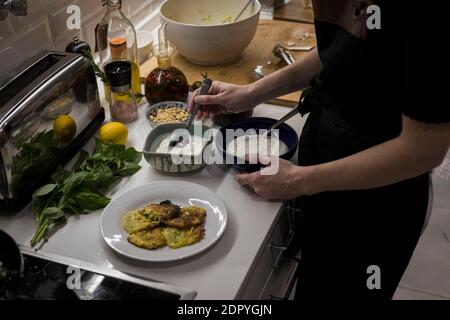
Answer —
(171, 148)
(240, 140)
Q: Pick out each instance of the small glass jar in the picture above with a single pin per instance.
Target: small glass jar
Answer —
(166, 82)
(122, 101)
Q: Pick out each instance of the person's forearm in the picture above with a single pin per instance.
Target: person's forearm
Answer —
(405, 157)
(289, 79)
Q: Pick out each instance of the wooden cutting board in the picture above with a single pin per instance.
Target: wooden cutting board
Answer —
(259, 52)
(294, 10)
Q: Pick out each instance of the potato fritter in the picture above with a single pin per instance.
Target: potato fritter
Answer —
(178, 238)
(135, 220)
(189, 217)
(148, 239)
(164, 210)
(185, 226)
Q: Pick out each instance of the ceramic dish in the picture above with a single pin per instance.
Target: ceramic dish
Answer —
(144, 44)
(178, 192)
(163, 105)
(165, 162)
(287, 135)
(205, 32)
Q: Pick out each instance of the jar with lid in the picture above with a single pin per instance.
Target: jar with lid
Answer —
(166, 82)
(122, 101)
(117, 40)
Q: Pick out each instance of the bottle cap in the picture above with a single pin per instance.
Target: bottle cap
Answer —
(118, 73)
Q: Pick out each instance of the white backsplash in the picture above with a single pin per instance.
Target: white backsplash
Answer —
(45, 27)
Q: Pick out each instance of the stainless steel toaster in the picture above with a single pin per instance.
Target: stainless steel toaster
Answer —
(50, 85)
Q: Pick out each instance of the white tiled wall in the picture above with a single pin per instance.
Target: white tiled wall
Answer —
(45, 27)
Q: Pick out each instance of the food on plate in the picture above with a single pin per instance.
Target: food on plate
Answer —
(115, 132)
(169, 115)
(65, 128)
(188, 217)
(148, 239)
(164, 224)
(178, 238)
(164, 210)
(136, 220)
(262, 144)
(149, 217)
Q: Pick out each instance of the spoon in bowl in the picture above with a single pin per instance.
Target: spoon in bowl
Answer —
(290, 115)
(243, 10)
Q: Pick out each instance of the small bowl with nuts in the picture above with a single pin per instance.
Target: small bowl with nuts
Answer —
(167, 112)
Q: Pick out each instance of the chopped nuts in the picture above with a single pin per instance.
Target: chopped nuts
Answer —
(171, 114)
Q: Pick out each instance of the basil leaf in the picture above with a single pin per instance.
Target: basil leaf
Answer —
(131, 155)
(54, 213)
(128, 170)
(45, 190)
(73, 182)
(88, 200)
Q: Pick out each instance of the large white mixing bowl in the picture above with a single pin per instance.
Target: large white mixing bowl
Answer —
(203, 31)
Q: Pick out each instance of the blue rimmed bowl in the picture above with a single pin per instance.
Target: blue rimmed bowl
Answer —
(287, 135)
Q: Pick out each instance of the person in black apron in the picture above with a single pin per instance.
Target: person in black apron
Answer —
(377, 125)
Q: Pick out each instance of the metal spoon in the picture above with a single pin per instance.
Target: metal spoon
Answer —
(204, 90)
(290, 115)
(243, 10)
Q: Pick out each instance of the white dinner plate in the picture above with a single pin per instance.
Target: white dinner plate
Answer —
(178, 192)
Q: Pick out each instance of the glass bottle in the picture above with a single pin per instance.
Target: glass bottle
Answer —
(117, 40)
(122, 101)
(166, 82)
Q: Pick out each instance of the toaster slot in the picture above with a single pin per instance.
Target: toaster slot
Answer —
(26, 77)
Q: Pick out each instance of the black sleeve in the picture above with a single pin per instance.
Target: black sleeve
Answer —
(425, 86)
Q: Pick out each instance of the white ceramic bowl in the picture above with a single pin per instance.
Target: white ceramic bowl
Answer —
(203, 31)
(144, 44)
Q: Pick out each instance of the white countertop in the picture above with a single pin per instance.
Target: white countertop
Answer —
(219, 273)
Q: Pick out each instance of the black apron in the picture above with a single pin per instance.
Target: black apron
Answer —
(344, 234)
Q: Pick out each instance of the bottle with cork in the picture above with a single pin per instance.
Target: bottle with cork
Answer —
(117, 40)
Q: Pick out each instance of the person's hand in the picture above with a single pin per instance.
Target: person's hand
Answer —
(287, 183)
(223, 98)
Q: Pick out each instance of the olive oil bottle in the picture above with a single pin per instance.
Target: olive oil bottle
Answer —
(117, 40)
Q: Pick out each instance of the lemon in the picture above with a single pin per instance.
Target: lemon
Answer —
(65, 128)
(114, 132)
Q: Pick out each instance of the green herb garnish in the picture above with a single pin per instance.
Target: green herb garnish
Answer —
(98, 71)
(33, 155)
(83, 189)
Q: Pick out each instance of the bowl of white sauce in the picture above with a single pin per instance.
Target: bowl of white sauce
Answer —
(171, 148)
(240, 140)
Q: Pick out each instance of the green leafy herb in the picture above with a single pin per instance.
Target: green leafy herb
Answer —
(33, 155)
(83, 189)
(98, 71)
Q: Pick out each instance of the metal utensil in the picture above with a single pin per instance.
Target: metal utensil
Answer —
(290, 115)
(243, 10)
(204, 90)
(280, 52)
(296, 48)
